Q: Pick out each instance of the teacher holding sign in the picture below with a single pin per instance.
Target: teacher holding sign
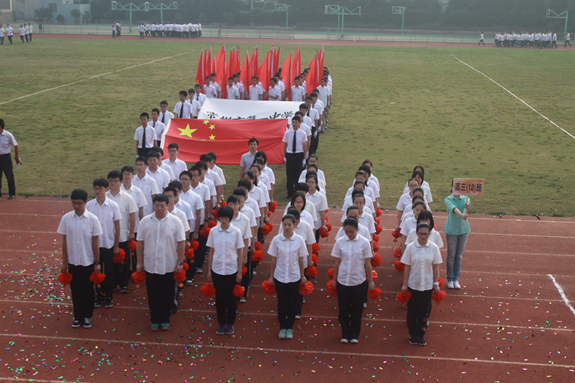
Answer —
(456, 230)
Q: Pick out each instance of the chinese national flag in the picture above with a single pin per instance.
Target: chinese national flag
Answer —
(227, 138)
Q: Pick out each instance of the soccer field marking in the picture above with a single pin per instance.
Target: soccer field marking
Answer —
(90, 78)
(520, 100)
(562, 293)
(283, 350)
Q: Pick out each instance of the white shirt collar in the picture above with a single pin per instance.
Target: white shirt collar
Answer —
(418, 245)
(283, 238)
(221, 229)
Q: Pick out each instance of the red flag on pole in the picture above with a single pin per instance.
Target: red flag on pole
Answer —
(264, 74)
(321, 54)
(276, 61)
(257, 60)
(220, 69)
(286, 75)
(229, 72)
(245, 72)
(295, 66)
(226, 138)
(237, 68)
(207, 67)
(200, 74)
(311, 79)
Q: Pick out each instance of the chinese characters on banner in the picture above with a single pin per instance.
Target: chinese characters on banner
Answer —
(467, 186)
(247, 110)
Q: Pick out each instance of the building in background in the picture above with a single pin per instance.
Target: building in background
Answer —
(24, 9)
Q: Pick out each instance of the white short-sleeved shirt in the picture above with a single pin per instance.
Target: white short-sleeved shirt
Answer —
(421, 259)
(165, 118)
(367, 191)
(1, 32)
(434, 237)
(288, 251)
(214, 177)
(361, 230)
(161, 177)
(204, 193)
(177, 167)
(257, 195)
(304, 216)
(309, 208)
(318, 107)
(313, 115)
(324, 91)
(320, 176)
(404, 200)
(159, 127)
(216, 86)
(182, 217)
(250, 214)
(232, 93)
(200, 97)
(9, 31)
(305, 231)
(263, 180)
(253, 204)
(210, 91)
(347, 202)
(426, 190)
(185, 113)
(408, 224)
(225, 244)
(247, 160)
(275, 91)
(243, 224)
(366, 219)
(140, 199)
(297, 93)
(127, 206)
(196, 203)
(79, 231)
(161, 239)
(220, 173)
(264, 190)
(168, 170)
(270, 173)
(7, 140)
(149, 187)
(107, 213)
(212, 188)
(353, 253)
(320, 203)
(195, 107)
(301, 139)
(255, 92)
(187, 209)
(150, 136)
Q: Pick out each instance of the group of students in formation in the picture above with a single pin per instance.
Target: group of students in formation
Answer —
(543, 39)
(185, 30)
(25, 31)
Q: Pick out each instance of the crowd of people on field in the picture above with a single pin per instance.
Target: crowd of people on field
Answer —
(25, 32)
(542, 39)
(185, 30)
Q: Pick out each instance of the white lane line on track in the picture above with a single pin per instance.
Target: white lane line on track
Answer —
(275, 350)
(520, 100)
(561, 293)
(90, 78)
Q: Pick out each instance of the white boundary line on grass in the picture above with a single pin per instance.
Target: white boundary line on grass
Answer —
(523, 102)
(90, 78)
(562, 293)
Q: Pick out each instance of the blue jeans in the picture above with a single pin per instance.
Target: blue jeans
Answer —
(455, 248)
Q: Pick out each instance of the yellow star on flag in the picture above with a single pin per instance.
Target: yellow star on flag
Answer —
(206, 122)
(187, 132)
(212, 137)
(212, 127)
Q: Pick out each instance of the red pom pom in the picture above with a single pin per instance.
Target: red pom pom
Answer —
(120, 257)
(268, 289)
(314, 259)
(311, 271)
(438, 297)
(327, 210)
(223, 204)
(378, 229)
(375, 293)
(208, 290)
(397, 253)
(257, 256)
(190, 253)
(194, 244)
(269, 214)
(376, 260)
(212, 224)
(330, 273)
(377, 221)
(435, 227)
(323, 232)
(65, 278)
(399, 266)
(97, 278)
(181, 276)
(205, 232)
(374, 274)
(258, 246)
(403, 297)
(271, 226)
(266, 229)
(378, 212)
(132, 245)
(138, 277)
(215, 213)
(186, 266)
(328, 227)
(396, 234)
(305, 289)
(326, 218)
(272, 206)
(376, 238)
(244, 270)
(375, 247)
(441, 281)
(331, 290)
(239, 291)
(315, 248)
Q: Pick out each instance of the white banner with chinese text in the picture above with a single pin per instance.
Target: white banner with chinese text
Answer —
(214, 108)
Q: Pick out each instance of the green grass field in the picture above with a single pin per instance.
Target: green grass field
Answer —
(396, 106)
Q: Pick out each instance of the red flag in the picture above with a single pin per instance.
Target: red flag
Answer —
(244, 73)
(220, 69)
(276, 61)
(200, 74)
(264, 74)
(237, 66)
(321, 54)
(295, 66)
(311, 79)
(286, 75)
(229, 72)
(257, 60)
(207, 67)
(226, 138)
(251, 71)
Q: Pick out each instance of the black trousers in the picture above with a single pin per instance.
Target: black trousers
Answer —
(30, 35)
(350, 300)
(191, 262)
(199, 255)
(161, 292)
(6, 167)
(567, 42)
(226, 302)
(122, 270)
(314, 141)
(417, 310)
(26, 36)
(288, 297)
(106, 289)
(481, 42)
(82, 291)
(293, 170)
(10, 38)
(143, 152)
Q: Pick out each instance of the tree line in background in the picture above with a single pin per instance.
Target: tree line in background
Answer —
(310, 14)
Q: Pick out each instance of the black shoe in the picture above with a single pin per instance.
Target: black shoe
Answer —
(174, 310)
(87, 323)
(421, 341)
(11, 196)
(189, 282)
(413, 340)
(109, 303)
(98, 303)
(77, 323)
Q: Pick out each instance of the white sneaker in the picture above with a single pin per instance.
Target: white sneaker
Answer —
(450, 285)
(364, 305)
(354, 341)
(456, 285)
(343, 340)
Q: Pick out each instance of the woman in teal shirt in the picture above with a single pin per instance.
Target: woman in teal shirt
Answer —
(456, 230)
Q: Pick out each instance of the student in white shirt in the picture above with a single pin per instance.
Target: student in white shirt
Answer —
(288, 251)
(216, 86)
(297, 92)
(196, 106)
(295, 153)
(203, 166)
(22, 31)
(365, 218)
(212, 176)
(127, 174)
(196, 203)
(319, 200)
(209, 89)
(30, 31)
(199, 96)
(256, 193)
(1, 35)
(159, 256)
(274, 93)
(145, 183)
(232, 91)
(418, 174)
(567, 40)
(9, 32)
(262, 179)
(248, 158)
(242, 222)
(165, 116)
(215, 168)
(128, 212)
(267, 171)
(157, 125)
(305, 208)
(80, 230)
(178, 166)
(255, 92)
(352, 254)
(202, 190)
(108, 213)
(410, 222)
(225, 267)
(145, 136)
(420, 277)
(183, 109)
(241, 194)
(161, 176)
(348, 200)
(405, 200)
(167, 169)
(325, 96)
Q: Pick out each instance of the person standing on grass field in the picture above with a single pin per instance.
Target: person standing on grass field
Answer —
(288, 251)
(113, 30)
(161, 176)
(295, 153)
(1, 35)
(30, 31)
(421, 259)
(481, 39)
(176, 165)
(145, 136)
(196, 106)
(9, 32)
(128, 212)
(456, 230)
(165, 116)
(22, 32)
(248, 158)
(157, 125)
(232, 91)
(7, 140)
(567, 40)
(80, 230)
(183, 109)
(108, 213)
(160, 249)
(141, 29)
(225, 267)
(200, 97)
(255, 92)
